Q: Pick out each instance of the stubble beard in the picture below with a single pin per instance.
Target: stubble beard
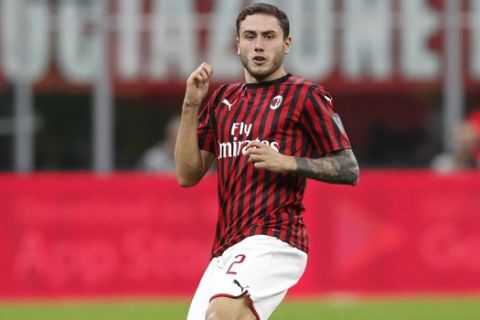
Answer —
(262, 74)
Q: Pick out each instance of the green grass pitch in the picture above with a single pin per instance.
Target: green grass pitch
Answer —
(466, 308)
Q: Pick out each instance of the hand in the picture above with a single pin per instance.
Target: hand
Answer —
(197, 85)
(264, 157)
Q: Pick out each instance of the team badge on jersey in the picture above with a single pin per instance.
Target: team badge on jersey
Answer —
(336, 119)
(276, 102)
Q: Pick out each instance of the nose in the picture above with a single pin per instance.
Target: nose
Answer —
(259, 44)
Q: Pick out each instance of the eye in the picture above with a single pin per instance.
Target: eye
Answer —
(249, 36)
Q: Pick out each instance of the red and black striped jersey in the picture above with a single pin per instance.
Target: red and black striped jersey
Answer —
(292, 116)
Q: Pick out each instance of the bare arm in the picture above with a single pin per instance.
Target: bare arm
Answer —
(339, 167)
(191, 163)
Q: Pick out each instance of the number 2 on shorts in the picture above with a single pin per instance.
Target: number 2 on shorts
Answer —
(238, 259)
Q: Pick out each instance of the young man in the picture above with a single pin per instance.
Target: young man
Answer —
(267, 136)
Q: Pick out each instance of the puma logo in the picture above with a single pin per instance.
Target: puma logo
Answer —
(241, 287)
(229, 105)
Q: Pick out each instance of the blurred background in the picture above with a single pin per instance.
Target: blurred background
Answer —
(91, 85)
(90, 93)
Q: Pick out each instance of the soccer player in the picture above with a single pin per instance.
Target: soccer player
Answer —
(267, 136)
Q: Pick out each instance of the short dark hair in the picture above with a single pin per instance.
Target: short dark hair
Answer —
(268, 9)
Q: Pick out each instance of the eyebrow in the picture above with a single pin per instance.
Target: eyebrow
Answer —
(263, 32)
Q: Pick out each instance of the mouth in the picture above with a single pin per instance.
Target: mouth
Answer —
(258, 60)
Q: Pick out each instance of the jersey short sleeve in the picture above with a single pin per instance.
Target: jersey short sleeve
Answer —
(324, 127)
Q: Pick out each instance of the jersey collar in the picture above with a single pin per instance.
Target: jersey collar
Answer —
(269, 83)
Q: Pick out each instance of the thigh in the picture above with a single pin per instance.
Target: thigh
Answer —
(231, 308)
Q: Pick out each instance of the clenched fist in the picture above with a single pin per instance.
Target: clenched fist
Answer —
(197, 85)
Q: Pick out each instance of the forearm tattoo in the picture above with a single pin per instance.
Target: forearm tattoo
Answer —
(339, 167)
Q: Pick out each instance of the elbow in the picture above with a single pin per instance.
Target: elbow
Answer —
(353, 169)
(355, 175)
(186, 182)
(355, 181)
(187, 178)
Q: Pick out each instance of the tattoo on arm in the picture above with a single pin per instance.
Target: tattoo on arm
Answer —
(340, 167)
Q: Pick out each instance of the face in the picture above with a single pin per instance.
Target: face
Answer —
(261, 47)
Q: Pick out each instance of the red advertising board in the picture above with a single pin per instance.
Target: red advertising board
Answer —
(135, 234)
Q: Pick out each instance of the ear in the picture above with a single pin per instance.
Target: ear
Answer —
(286, 45)
(237, 41)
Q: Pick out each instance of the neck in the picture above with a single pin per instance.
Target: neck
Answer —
(280, 72)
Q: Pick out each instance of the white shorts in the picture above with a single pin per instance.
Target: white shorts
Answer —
(259, 267)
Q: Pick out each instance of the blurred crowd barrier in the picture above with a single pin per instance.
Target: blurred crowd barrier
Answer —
(135, 234)
(403, 74)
